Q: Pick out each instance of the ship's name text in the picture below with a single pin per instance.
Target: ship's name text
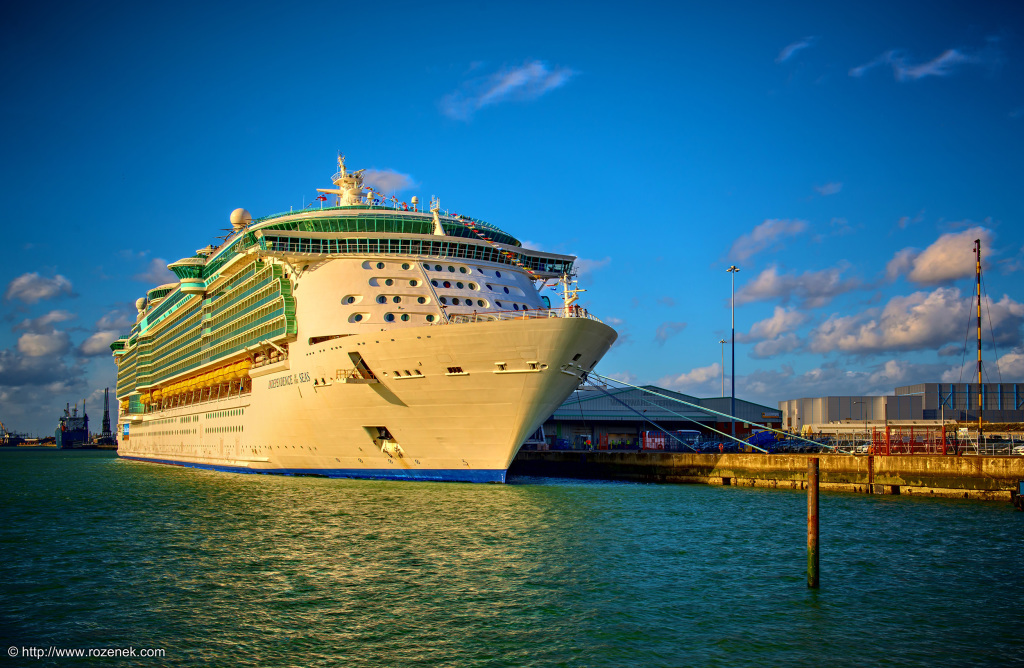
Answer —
(293, 379)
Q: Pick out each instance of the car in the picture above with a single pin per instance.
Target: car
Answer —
(1018, 450)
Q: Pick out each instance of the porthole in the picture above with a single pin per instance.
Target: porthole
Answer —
(455, 301)
(437, 267)
(444, 300)
(447, 284)
(489, 287)
(514, 306)
(421, 300)
(389, 317)
(480, 303)
(405, 317)
(357, 317)
(381, 299)
(498, 304)
(459, 285)
(434, 283)
(498, 274)
(426, 266)
(396, 299)
(414, 283)
(506, 291)
(405, 265)
(525, 307)
(462, 269)
(430, 318)
(474, 286)
(380, 265)
(451, 268)
(389, 282)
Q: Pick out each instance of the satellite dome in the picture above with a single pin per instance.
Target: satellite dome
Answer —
(240, 219)
(140, 303)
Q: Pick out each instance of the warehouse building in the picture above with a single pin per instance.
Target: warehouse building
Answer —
(617, 417)
(1002, 402)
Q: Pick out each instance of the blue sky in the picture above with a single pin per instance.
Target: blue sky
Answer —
(845, 158)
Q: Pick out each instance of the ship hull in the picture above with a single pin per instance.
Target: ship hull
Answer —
(446, 403)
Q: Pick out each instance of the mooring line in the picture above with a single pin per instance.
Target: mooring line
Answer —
(706, 410)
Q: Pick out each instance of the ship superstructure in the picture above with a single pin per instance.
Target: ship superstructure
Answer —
(364, 339)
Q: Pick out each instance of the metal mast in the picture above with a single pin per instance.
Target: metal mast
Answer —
(981, 388)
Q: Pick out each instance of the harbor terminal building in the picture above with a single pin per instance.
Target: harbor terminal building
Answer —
(925, 402)
(617, 417)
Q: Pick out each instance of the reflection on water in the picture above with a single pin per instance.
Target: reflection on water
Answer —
(265, 570)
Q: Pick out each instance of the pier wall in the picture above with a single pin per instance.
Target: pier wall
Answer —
(985, 478)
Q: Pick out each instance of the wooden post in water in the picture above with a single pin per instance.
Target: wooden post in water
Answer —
(812, 523)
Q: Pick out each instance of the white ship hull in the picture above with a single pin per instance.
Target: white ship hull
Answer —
(305, 417)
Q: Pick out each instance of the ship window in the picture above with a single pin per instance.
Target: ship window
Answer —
(480, 303)
(357, 317)
(447, 284)
(381, 299)
(498, 274)
(437, 267)
(459, 285)
(430, 318)
(474, 286)
(417, 372)
(506, 291)
(405, 317)
(396, 299)
(576, 357)
(451, 268)
(434, 283)
(405, 265)
(380, 265)
(525, 307)
(389, 282)
(498, 304)
(389, 317)
(515, 306)
(421, 300)
(455, 301)
(462, 269)
(398, 373)
(444, 300)
(426, 266)
(414, 283)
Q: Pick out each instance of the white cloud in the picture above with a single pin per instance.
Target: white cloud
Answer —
(98, 343)
(810, 289)
(699, 381)
(31, 288)
(919, 321)
(584, 267)
(667, 330)
(950, 257)
(940, 66)
(666, 301)
(45, 322)
(784, 343)
(156, 273)
(765, 235)
(52, 344)
(790, 50)
(829, 188)
(624, 376)
(527, 82)
(781, 321)
(120, 319)
(388, 181)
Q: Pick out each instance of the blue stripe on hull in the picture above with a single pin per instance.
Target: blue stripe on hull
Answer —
(437, 475)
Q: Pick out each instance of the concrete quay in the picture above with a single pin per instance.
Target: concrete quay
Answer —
(971, 477)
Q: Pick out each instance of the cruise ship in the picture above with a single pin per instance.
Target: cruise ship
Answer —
(367, 338)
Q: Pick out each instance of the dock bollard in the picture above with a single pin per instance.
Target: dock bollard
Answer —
(812, 523)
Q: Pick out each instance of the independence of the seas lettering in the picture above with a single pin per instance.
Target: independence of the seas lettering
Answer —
(288, 380)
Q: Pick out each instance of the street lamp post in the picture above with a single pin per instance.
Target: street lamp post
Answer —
(723, 367)
(732, 384)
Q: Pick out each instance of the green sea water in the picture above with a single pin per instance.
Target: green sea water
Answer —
(224, 569)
